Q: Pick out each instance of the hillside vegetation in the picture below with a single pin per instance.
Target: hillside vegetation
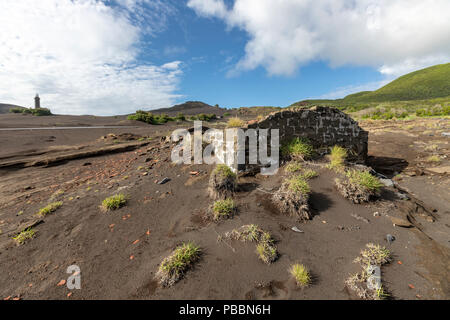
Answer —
(425, 84)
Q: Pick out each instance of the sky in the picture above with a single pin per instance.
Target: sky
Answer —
(109, 57)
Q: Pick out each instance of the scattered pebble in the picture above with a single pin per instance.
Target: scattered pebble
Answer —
(61, 283)
(358, 217)
(297, 230)
(164, 181)
(376, 214)
(390, 238)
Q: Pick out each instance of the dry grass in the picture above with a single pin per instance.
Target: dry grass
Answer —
(235, 123)
(374, 255)
(434, 159)
(293, 166)
(297, 148)
(265, 246)
(300, 274)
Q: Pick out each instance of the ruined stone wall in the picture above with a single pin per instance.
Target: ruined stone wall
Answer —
(323, 126)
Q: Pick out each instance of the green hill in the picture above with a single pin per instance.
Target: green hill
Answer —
(429, 83)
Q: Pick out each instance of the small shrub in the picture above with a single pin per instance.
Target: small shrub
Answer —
(173, 267)
(52, 207)
(297, 148)
(23, 236)
(114, 202)
(227, 114)
(235, 123)
(337, 157)
(223, 209)
(40, 112)
(301, 275)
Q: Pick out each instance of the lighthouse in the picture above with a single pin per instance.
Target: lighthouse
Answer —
(37, 102)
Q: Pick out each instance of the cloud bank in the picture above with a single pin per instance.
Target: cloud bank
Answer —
(81, 55)
(394, 36)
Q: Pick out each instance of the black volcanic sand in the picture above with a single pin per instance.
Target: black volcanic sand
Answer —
(102, 244)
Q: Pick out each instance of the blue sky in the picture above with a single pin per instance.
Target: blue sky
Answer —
(109, 57)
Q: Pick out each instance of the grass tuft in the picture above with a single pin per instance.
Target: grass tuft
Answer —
(364, 179)
(297, 148)
(52, 207)
(223, 209)
(173, 267)
(23, 236)
(115, 202)
(293, 167)
(337, 157)
(301, 275)
(235, 123)
(434, 159)
(374, 255)
(310, 174)
(224, 171)
(298, 183)
(267, 252)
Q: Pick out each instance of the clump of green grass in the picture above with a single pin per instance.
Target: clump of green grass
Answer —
(337, 157)
(297, 148)
(299, 184)
(223, 209)
(374, 255)
(434, 159)
(301, 274)
(23, 236)
(364, 179)
(174, 266)
(115, 202)
(293, 167)
(310, 174)
(52, 207)
(224, 171)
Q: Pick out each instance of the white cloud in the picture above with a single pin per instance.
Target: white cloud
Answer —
(394, 36)
(81, 56)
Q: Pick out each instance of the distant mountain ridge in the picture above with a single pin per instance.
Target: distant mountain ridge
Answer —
(428, 83)
(191, 108)
(4, 107)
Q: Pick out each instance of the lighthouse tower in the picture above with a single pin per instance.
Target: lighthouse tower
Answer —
(37, 101)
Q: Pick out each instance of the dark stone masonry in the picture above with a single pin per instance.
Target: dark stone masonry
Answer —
(323, 126)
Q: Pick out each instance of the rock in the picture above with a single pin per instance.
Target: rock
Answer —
(440, 170)
(376, 214)
(164, 181)
(358, 217)
(390, 238)
(402, 196)
(387, 182)
(446, 134)
(295, 229)
(398, 222)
